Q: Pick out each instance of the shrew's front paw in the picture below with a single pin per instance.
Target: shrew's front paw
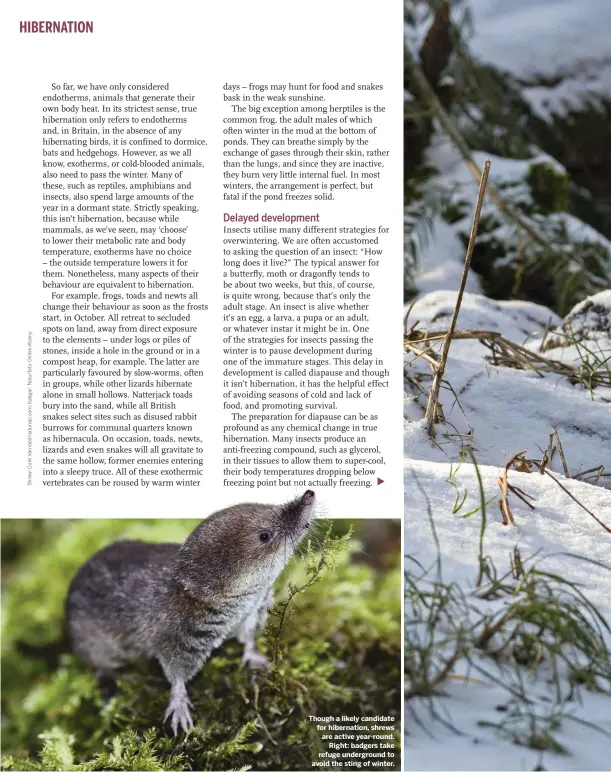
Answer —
(255, 660)
(179, 714)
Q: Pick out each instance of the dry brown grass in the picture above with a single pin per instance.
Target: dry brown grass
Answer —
(503, 353)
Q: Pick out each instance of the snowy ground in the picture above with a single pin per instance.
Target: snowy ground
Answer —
(566, 40)
(556, 527)
(503, 411)
(497, 412)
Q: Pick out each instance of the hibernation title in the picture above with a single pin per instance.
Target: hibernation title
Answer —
(55, 26)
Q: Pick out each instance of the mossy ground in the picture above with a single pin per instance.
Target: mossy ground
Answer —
(338, 651)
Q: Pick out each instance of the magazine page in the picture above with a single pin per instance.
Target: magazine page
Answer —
(203, 476)
(214, 258)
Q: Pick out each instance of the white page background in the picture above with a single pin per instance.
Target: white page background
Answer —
(196, 48)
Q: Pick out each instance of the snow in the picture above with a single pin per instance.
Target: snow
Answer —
(590, 319)
(568, 39)
(561, 44)
(507, 175)
(556, 527)
(437, 271)
(540, 36)
(441, 257)
(501, 409)
(495, 412)
(557, 524)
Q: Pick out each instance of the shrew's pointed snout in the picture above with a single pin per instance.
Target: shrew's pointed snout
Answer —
(307, 504)
(298, 512)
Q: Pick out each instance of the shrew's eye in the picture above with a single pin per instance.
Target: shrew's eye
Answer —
(265, 536)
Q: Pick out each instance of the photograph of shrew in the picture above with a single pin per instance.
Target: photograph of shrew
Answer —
(210, 644)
